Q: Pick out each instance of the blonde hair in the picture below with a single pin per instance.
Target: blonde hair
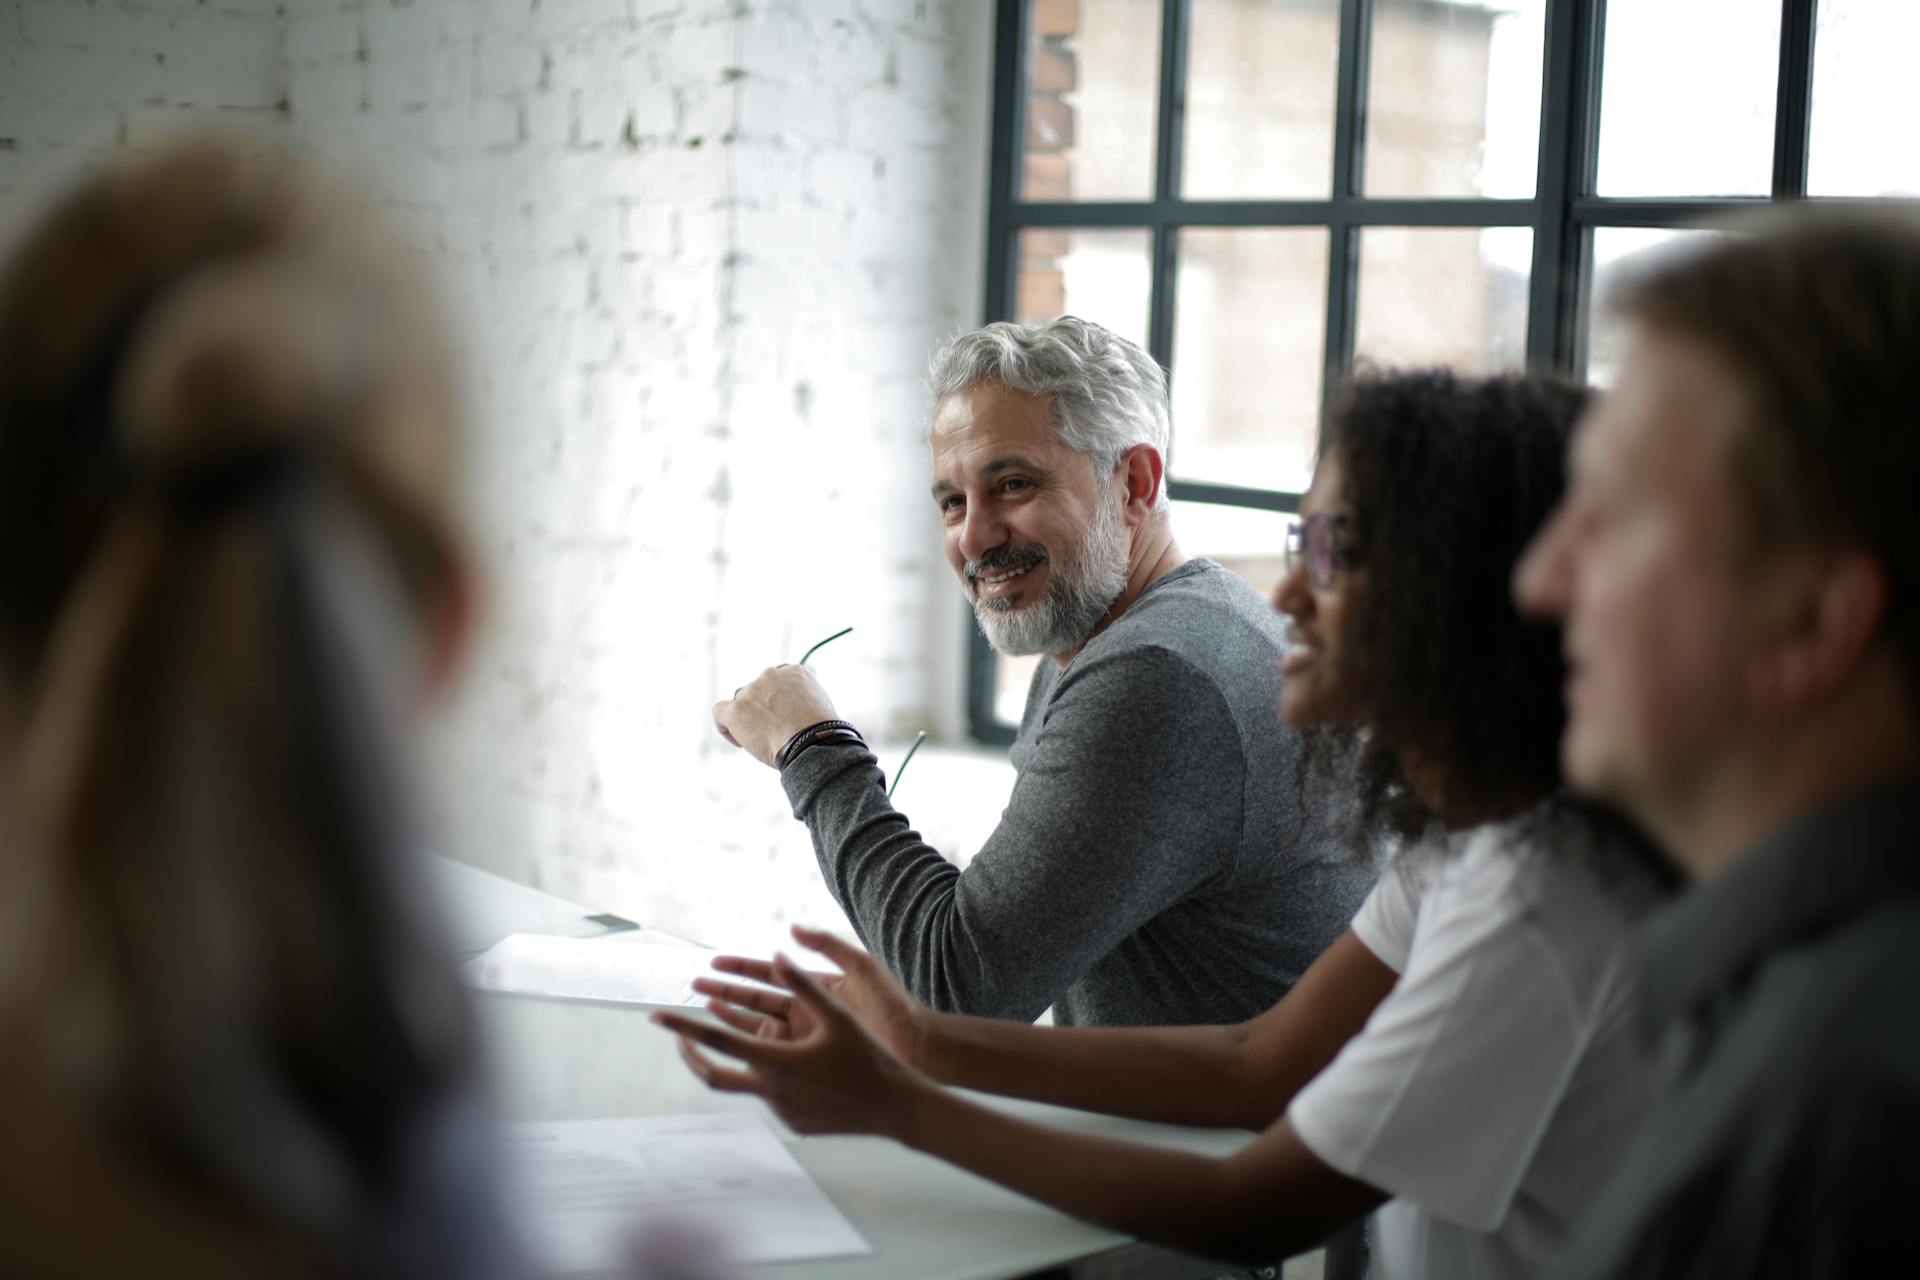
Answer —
(227, 442)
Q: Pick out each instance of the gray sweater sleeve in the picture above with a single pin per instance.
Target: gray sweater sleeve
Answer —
(1130, 799)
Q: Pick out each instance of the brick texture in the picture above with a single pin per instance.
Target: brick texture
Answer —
(696, 252)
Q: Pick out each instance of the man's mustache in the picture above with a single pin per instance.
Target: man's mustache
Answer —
(1005, 558)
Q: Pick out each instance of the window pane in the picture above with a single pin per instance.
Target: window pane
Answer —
(1453, 98)
(1862, 50)
(1246, 540)
(1011, 676)
(1449, 296)
(1093, 86)
(1249, 348)
(1102, 276)
(1616, 249)
(1687, 97)
(1260, 80)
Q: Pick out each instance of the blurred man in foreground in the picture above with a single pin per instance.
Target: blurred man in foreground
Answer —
(1738, 568)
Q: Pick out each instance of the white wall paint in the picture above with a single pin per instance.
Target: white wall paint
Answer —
(81, 80)
(697, 251)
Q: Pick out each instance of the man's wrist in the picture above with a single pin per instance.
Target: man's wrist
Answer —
(822, 731)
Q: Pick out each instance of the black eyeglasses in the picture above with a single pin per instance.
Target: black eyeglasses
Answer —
(1320, 541)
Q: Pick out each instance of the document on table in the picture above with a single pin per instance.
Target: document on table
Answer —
(582, 1188)
(621, 968)
(534, 964)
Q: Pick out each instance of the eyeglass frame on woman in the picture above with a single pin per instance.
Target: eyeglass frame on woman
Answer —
(1325, 554)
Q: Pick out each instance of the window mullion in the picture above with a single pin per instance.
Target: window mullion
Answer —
(1793, 108)
(1232, 495)
(1350, 99)
(1349, 157)
(1174, 18)
(1569, 117)
(1175, 15)
(1009, 119)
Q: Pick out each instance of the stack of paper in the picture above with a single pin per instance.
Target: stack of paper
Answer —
(590, 969)
(585, 1190)
(626, 968)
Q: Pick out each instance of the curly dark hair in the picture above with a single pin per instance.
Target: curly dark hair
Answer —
(1447, 480)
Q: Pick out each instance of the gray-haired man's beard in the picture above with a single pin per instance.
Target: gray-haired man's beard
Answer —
(1083, 587)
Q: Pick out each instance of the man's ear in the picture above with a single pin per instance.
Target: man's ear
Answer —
(1143, 472)
(452, 620)
(1833, 609)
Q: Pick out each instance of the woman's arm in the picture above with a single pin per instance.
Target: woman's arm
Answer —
(1275, 1197)
(1271, 1200)
(1241, 1076)
(1238, 1076)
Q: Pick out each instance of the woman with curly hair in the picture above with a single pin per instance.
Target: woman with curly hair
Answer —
(1460, 1060)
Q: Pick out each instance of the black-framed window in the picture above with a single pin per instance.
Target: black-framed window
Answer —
(1262, 192)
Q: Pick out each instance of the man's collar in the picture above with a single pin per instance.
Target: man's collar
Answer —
(1186, 568)
(1799, 880)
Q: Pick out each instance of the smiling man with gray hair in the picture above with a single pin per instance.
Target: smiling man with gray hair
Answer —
(1154, 864)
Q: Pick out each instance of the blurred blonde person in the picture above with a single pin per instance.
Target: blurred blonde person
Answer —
(230, 1042)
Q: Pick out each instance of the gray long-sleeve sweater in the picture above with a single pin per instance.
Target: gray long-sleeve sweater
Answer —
(1153, 866)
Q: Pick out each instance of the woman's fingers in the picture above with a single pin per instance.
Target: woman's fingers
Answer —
(753, 970)
(712, 1074)
(747, 1024)
(833, 947)
(744, 967)
(807, 989)
(748, 1049)
(759, 999)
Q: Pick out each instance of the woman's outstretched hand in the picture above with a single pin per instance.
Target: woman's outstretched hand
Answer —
(826, 1074)
(867, 991)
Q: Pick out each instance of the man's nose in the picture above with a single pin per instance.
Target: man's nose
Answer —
(1540, 579)
(1291, 596)
(981, 531)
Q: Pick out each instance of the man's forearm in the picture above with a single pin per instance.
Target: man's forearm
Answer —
(899, 892)
(1094, 843)
(1175, 1075)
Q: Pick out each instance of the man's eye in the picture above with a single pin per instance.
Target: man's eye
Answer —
(950, 503)
(1012, 484)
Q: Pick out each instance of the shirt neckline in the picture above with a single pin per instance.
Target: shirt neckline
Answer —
(1186, 569)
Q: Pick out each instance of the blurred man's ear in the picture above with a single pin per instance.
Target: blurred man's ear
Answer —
(1834, 605)
(1144, 472)
(450, 627)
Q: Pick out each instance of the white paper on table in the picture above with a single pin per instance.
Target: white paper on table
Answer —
(590, 969)
(582, 1188)
(619, 967)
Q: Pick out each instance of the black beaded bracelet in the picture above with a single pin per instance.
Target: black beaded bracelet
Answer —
(813, 735)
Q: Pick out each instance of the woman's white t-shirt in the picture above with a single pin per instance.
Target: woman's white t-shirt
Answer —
(1495, 1088)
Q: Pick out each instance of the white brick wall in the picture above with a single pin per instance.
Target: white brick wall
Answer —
(80, 78)
(697, 251)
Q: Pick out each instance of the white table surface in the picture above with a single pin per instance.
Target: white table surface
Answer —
(479, 908)
(568, 1059)
(576, 1060)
